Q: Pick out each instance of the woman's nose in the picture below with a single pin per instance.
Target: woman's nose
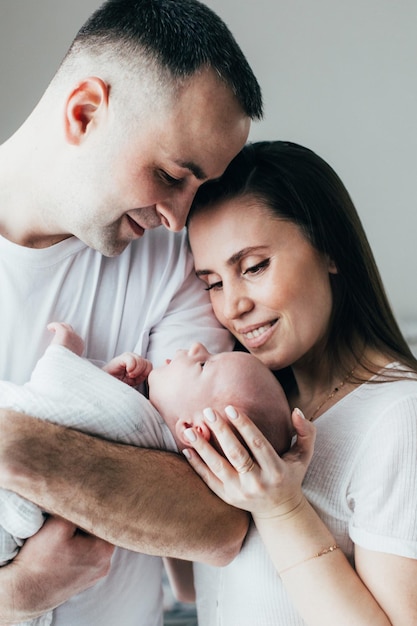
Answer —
(235, 305)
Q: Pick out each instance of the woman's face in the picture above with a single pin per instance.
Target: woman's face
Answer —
(267, 284)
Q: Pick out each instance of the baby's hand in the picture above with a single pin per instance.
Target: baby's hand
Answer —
(130, 368)
(65, 335)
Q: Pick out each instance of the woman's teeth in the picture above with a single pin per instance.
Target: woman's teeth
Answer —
(252, 334)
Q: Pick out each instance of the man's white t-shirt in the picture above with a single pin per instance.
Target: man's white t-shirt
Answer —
(146, 300)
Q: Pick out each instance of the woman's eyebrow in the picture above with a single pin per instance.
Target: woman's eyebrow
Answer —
(200, 273)
(235, 258)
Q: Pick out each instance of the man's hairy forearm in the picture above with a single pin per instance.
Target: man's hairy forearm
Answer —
(144, 500)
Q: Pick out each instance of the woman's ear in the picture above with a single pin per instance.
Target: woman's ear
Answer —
(331, 266)
(85, 104)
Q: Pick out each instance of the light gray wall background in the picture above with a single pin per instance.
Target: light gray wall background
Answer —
(339, 76)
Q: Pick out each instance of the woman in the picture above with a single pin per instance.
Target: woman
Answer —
(280, 247)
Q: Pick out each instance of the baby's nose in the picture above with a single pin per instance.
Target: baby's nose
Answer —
(198, 351)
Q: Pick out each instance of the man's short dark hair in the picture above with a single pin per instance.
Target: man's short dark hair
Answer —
(182, 36)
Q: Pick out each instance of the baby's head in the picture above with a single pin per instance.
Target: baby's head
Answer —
(195, 379)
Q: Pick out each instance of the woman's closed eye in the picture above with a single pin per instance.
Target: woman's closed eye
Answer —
(216, 286)
(258, 268)
(252, 270)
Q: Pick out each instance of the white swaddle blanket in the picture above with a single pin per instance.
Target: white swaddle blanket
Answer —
(69, 390)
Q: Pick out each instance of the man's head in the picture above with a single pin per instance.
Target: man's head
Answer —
(153, 98)
(195, 379)
(177, 38)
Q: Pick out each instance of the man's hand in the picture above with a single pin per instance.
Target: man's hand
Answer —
(52, 566)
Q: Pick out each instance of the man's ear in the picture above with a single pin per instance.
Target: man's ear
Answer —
(87, 101)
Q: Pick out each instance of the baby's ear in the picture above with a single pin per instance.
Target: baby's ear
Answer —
(204, 431)
(200, 425)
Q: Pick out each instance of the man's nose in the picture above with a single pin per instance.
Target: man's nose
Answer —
(174, 210)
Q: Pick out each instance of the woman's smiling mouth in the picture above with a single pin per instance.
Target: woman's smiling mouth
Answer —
(256, 336)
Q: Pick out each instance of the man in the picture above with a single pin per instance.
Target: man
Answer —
(153, 99)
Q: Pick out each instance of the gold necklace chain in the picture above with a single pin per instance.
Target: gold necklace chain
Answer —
(332, 394)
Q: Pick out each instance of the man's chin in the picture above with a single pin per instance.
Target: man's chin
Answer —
(111, 249)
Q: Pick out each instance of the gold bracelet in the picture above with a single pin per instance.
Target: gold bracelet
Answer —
(315, 556)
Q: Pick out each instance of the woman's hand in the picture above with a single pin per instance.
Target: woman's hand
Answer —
(259, 481)
(269, 486)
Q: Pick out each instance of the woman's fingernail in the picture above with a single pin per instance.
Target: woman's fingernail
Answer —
(300, 413)
(231, 412)
(190, 434)
(187, 454)
(210, 415)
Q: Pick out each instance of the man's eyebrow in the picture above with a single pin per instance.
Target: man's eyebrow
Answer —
(194, 169)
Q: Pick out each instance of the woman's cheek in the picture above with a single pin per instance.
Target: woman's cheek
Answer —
(217, 307)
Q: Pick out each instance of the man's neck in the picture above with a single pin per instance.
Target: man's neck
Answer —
(22, 201)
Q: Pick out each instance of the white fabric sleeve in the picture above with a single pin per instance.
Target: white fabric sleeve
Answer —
(383, 489)
(188, 318)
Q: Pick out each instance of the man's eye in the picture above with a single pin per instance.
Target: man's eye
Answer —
(170, 180)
